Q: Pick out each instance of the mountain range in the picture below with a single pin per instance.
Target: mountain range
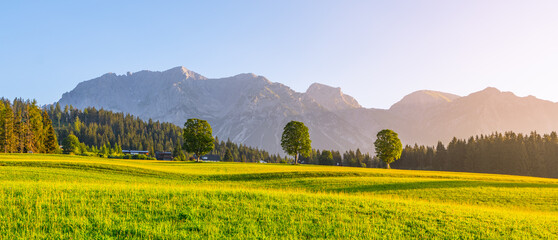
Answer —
(252, 110)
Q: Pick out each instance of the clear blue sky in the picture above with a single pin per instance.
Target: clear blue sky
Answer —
(376, 51)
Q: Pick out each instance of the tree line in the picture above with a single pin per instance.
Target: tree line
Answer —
(24, 127)
(98, 128)
(349, 158)
(296, 141)
(105, 132)
(502, 153)
(102, 132)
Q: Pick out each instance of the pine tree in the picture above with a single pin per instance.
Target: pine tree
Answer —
(8, 138)
(228, 156)
(177, 153)
(58, 113)
(440, 157)
(117, 149)
(2, 130)
(77, 126)
(50, 142)
(26, 135)
(105, 150)
(18, 126)
(36, 128)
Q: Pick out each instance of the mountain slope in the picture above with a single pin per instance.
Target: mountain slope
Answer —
(422, 100)
(246, 108)
(252, 110)
(425, 118)
(492, 110)
(331, 98)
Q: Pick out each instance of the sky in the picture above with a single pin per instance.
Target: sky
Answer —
(376, 51)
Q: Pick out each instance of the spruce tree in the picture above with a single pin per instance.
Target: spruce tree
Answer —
(228, 156)
(177, 153)
(36, 128)
(58, 113)
(8, 138)
(18, 126)
(26, 134)
(440, 157)
(2, 131)
(326, 158)
(50, 143)
(77, 126)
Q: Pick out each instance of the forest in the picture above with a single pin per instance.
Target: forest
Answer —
(26, 127)
(102, 129)
(502, 153)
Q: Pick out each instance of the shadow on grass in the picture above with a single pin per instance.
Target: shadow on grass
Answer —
(105, 168)
(284, 175)
(438, 185)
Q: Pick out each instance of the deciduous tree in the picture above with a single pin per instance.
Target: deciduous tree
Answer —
(71, 144)
(388, 146)
(198, 137)
(295, 140)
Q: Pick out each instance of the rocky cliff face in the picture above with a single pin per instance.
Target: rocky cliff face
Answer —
(246, 108)
(252, 110)
(331, 98)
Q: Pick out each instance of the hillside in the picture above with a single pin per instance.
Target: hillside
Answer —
(105, 129)
(252, 110)
(59, 196)
(246, 108)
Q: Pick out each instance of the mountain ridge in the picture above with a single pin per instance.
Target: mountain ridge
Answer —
(252, 110)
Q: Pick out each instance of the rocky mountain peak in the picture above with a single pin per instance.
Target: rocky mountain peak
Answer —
(251, 77)
(179, 69)
(423, 99)
(246, 75)
(251, 110)
(182, 71)
(109, 74)
(331, 98)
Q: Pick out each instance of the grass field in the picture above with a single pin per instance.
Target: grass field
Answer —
(69, 197)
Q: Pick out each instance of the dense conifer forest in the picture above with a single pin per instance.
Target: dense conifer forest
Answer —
(507, 153)
(25, 128)
(106, 129)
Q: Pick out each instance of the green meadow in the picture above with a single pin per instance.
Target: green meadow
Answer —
(72, 197)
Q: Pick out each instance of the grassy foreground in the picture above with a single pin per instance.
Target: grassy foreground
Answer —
(57, 196)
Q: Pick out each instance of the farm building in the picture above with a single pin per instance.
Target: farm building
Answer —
(135, 152)
(163, 156)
